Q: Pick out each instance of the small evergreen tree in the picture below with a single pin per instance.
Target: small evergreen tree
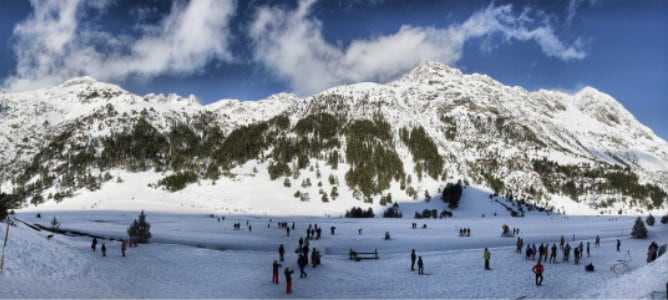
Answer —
(639, 230)
(140, 230)
(392, 212)
(452, 193)
(664, 219)
(650, 220)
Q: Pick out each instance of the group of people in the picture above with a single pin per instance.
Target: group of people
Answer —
(420, 263)
(464, 231)
(302, 250)
(103, 248)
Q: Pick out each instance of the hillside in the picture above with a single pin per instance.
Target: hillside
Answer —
(360, 145)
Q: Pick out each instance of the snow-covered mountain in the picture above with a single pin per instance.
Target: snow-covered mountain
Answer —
(358, 142)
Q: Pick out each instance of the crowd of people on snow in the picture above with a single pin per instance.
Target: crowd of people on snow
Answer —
(544, 253)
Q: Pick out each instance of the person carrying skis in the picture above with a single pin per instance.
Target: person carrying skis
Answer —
(123, 247)
(538, 270)
(486, 255)
(420, 264)
(413, 256)
(274, 276)
(288, 280)
(94, 244)
(281, 252)
(104, 250)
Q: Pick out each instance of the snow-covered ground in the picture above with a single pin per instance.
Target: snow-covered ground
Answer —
(194, 256)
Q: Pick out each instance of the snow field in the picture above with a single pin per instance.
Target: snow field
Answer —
(183, 259)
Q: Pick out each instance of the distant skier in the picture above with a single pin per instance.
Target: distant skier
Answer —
(619, 244)
(486, 255)
(123, 247)
(561, 242)
(288, 280)
(597, 242)
(538, 270)
(420, 264)
(331, 229)
(93, 244)
(104, 250)
(413, 256)
(587, 249)
(553, 254)
(274, 276)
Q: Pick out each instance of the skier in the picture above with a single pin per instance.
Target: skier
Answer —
(619, 244)
(486, 255)
(288, 230)
(302, 262)
(94, 244)
(533, 251)
(528, 252)
(587, 249)
(413, 260)
(597, 242)
(538, 270)
(561, 242)
(123, 247)
(281, 251)
(274, 277)
(553, 254)
(420, 266)
(331, 229)
(288, 280)
(576, 255)
(104, 250)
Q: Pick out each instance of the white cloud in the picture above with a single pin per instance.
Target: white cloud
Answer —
(52, 46)
(290, 44)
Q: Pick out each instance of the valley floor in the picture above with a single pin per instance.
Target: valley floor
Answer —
(193, 256)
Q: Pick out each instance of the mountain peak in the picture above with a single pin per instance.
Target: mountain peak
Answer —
(84, 80)
(428, 69)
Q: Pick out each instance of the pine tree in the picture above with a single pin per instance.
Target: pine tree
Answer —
(140, 230)
(650, 220)
(664, 219)
(639, 230)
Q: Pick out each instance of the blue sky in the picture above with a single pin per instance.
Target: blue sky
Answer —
(251, 49)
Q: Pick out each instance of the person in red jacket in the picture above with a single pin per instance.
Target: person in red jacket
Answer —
(538, 270)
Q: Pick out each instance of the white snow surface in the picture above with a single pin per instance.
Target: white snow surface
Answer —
(194, 256)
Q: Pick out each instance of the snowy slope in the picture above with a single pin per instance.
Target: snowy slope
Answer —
(472, 119)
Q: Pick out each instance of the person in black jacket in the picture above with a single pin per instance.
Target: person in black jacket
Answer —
(413, 256)
(104, 250)
(302, 262)
(420, 266)
(288, 280)
(281, 251)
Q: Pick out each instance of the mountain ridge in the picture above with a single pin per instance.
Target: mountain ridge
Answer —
(483, 131)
